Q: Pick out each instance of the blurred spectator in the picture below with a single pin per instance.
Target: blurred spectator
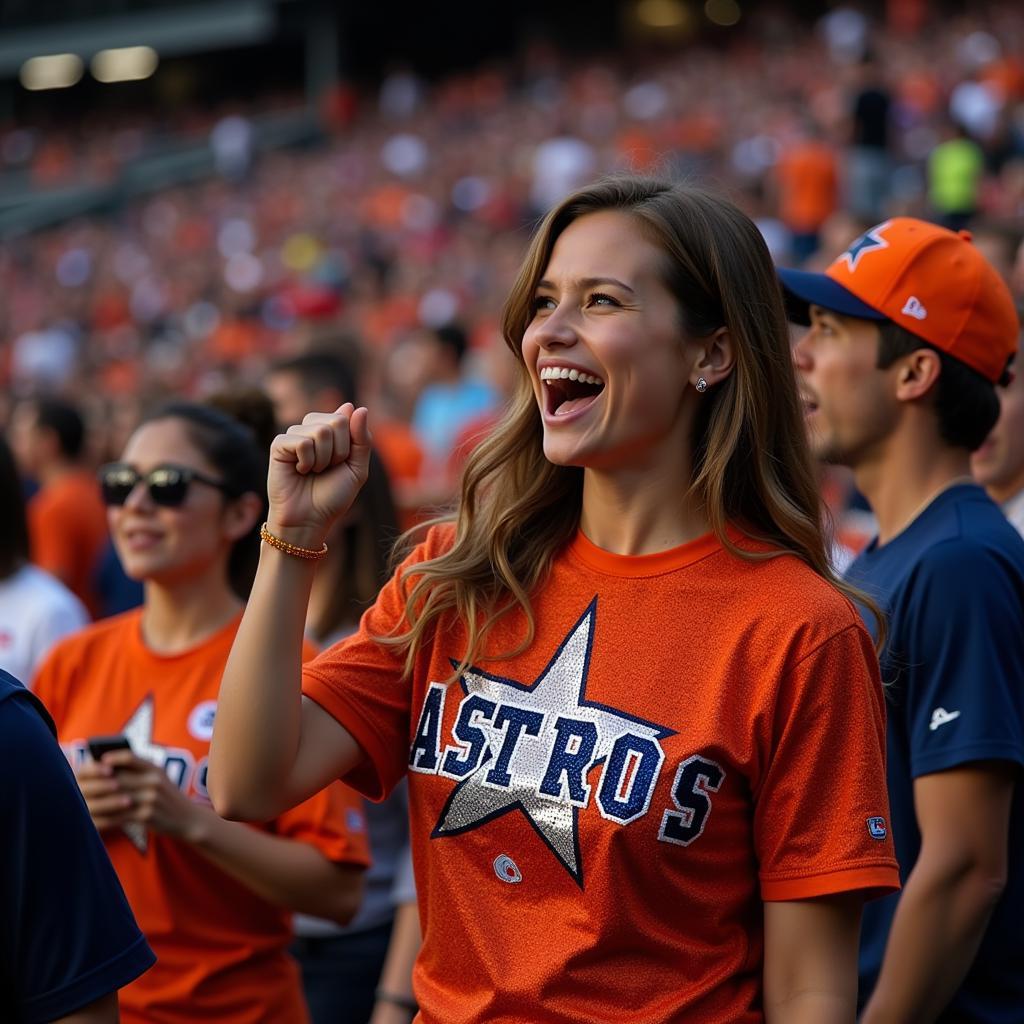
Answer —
(845, 30)
(231, 140)
(998, 465)
(955, 168)
(68, 941)
(975, 105)
(66, 518)
(868, 163)
(213, 897)
(450, 397)
(560, 164)
(807, 176)
(320, 381)
(36, 610)
(313, 382)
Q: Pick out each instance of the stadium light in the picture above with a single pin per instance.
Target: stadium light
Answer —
(55, 71)
(722, 12)
(662, 14)
(125, 64)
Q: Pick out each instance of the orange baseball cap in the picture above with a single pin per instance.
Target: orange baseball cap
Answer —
(929, 280)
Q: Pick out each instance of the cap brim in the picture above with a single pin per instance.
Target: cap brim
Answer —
(802, 289)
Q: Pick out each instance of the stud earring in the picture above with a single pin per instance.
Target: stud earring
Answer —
(701, 385)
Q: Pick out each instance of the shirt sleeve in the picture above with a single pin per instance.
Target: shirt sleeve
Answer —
(821, 807)
(333, 821)
(60, 619)
(959, 661)
(67, 935)
(361, 683)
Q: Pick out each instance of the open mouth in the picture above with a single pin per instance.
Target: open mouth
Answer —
(568, 390)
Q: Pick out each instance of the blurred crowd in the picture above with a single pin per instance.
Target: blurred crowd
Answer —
(373, 267)
(413, 215)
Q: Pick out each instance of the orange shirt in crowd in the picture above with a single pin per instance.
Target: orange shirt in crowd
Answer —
(808, 186)
(399, 450)
(221, 949)
(597, 822)
(67, 524)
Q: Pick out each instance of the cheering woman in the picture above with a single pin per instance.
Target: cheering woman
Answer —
(641, 720)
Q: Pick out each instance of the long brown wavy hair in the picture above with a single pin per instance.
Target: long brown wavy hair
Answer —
(752, 465)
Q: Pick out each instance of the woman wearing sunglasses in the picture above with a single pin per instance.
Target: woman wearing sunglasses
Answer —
(641, 721)
(214, 898)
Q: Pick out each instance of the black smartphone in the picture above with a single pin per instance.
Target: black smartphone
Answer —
(100, 745)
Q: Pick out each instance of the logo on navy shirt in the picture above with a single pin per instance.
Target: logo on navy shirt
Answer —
(940, 716)
(530, 748)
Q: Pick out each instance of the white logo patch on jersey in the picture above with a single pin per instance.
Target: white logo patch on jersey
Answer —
(505, 868)
(200, 721)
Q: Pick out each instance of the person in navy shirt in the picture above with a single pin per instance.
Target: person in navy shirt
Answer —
(910, 331)
(68, 940)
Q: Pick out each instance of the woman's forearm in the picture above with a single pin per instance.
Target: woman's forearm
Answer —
(258, 722)
(810, 966)
(286, 872)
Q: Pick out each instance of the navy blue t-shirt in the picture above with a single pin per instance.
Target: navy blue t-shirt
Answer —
(952, 586)
(67, 935)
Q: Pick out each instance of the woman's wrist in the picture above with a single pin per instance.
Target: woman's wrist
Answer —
(199, 824)
(311, 538)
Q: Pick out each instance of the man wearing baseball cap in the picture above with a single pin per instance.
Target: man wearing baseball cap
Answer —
(910, 331)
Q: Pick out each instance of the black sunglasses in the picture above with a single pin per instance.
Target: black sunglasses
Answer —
(167, 485)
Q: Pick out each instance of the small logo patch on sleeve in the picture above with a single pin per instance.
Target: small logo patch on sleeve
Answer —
(876, 828)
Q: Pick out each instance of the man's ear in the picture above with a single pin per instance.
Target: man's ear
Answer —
(916, 374)
(716, 358)
(242, 514)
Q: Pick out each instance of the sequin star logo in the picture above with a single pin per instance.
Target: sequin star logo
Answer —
(870, 241)
(542, 750)
(139, 731)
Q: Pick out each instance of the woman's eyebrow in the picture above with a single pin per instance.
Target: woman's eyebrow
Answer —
(590, 282)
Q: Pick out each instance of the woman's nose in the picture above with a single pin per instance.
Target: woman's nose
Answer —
(557, 329)
(138, 497)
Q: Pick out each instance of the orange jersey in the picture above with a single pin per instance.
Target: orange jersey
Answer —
(67, 524)
(596, 822)
(221, 949)
(808, 186)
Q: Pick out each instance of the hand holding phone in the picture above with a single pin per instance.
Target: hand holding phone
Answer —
(100, 745)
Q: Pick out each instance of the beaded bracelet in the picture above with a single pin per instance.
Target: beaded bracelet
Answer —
(291, 549)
